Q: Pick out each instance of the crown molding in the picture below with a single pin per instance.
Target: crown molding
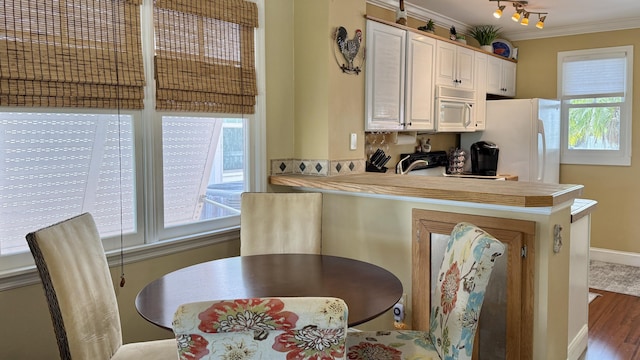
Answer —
(423, 14)
(530, 34)
(526, 34)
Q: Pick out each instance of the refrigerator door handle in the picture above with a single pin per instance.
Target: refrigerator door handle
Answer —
(542, 160)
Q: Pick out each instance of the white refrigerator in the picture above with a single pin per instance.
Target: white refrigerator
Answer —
(527, 132)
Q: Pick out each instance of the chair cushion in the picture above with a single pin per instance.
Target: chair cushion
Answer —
(148, 350)
(266, 328)
(391, 345)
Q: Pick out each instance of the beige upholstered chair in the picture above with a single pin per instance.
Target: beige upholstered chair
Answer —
(262, 328)
(461, 283)
(82, 302)
(280, 223)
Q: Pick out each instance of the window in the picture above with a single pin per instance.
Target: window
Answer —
(595, 89)
(203, 168)
(147, 173)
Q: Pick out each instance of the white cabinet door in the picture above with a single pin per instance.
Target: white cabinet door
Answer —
(454, 65)
(509, 78)
(446, 63)
(494, 75)
(501, 77)
(385, 76)
(464, 67)
(419, 100)
(481, 90)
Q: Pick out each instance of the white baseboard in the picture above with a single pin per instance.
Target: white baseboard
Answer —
(614, 256)
(578, 345)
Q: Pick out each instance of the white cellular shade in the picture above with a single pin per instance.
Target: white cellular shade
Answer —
(55, 166)
(594, 76)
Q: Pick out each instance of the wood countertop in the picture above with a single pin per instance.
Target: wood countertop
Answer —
(507, 193)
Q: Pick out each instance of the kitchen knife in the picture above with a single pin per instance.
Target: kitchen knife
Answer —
(376, 156)
(380, 159)
(385, 161)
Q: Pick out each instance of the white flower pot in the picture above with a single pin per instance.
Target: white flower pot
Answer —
(487, 48)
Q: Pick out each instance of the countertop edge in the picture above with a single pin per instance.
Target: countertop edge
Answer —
(546, 195)
(582, 208)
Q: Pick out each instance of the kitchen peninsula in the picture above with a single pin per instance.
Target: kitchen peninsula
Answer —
(396, 221)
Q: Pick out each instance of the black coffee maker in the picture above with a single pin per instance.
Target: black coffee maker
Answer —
(484, 158)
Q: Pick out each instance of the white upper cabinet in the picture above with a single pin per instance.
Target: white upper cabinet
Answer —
(454, 65)
(399, 79)
(385, 76)
(421, 52)
(481, 90)
(501, 77)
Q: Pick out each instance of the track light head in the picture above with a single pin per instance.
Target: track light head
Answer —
(525, 19)
(498, 13)
(541, 20)
(516, 15)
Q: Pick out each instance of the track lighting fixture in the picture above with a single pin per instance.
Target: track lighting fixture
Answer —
(521, 14)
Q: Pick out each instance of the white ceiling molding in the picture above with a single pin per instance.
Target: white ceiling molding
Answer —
(530, 34)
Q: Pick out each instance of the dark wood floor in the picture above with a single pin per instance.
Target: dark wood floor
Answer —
(614, 327)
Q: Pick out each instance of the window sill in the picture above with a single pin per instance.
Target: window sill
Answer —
(29, 275)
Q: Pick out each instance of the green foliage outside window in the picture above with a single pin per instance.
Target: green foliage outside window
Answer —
(594, 123)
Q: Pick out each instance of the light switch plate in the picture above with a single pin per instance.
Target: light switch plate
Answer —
(353, 141)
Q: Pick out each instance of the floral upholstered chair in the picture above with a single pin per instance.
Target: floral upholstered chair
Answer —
(461, 283)
(262, 328)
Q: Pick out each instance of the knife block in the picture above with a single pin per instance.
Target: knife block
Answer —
(372, 168)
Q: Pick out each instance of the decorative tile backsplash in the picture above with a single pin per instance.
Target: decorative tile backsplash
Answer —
(317, 167)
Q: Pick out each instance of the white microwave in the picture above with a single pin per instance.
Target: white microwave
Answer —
(455, 109)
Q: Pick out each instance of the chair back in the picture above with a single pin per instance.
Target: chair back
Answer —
(273, 223)
(77, 283)
(462, 280)
(265, 328)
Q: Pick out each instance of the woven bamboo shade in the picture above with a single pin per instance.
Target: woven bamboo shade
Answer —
(205, 55)
(71, 53)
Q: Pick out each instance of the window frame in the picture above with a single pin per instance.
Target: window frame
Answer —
(621, 157)
(151, 239)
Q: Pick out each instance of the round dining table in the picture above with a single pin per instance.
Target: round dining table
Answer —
(367, 289)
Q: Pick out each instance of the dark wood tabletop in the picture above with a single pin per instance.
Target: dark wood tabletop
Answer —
(368, 289)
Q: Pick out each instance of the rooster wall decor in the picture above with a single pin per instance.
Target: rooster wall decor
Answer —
(349, 48)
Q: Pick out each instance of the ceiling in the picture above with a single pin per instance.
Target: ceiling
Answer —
(566, 17)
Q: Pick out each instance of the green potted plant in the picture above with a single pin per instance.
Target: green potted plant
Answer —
(461, 38)
(485, 35)
(429, 27)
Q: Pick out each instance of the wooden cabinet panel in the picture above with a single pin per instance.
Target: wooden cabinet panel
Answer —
(506, 320)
